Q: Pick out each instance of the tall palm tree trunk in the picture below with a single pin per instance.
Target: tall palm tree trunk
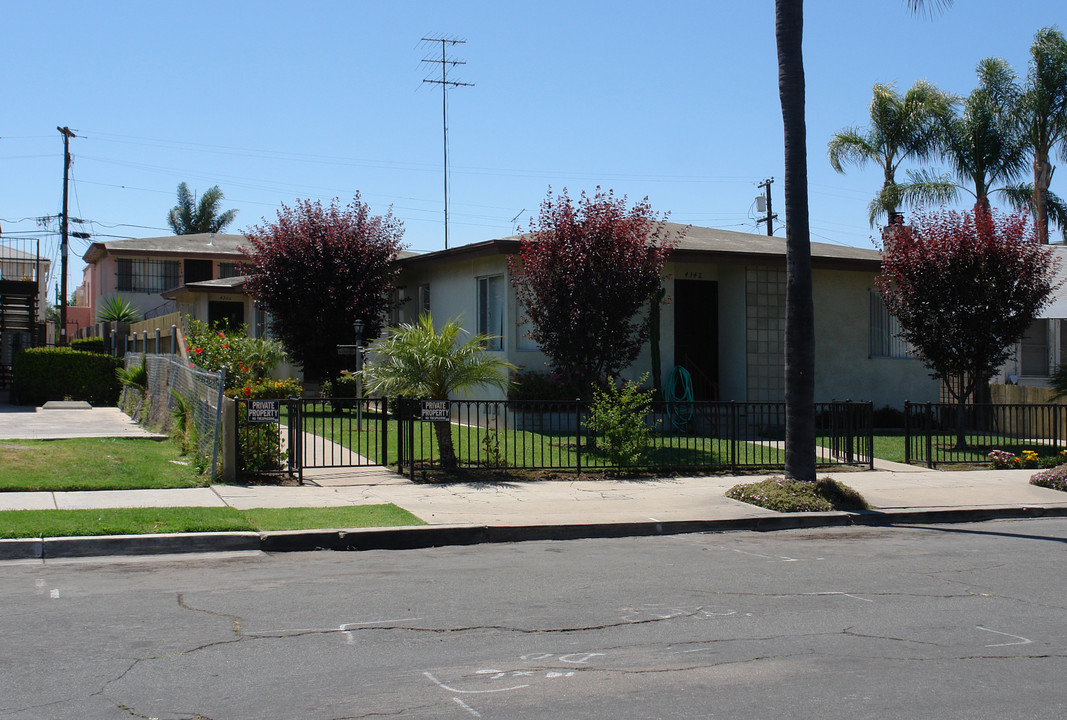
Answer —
(800, 311)
(1042, 180)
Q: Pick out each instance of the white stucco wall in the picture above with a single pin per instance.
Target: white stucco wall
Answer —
(843, 368)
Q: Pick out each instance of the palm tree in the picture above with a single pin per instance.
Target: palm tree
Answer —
(1043, 116)
(901, 128)
(189, 217)
(984, 144)
(800, 309)
(414, 360)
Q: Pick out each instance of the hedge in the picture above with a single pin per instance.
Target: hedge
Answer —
(93, 344)
(43, 374)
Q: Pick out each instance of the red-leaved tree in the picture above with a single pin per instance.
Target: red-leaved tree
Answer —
(965, 286)
(318, 269)
(584, 273)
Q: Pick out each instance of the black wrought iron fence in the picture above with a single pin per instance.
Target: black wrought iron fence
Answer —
(290, 435)
(944, 433)
(695, 436)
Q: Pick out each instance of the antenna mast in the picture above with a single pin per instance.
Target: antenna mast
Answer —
(445, 83)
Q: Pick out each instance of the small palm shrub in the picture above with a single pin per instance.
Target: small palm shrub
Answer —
(116, 308)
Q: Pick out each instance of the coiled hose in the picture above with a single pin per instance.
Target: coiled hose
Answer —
(679, 396)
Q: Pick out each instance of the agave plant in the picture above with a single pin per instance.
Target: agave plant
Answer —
(117, 309)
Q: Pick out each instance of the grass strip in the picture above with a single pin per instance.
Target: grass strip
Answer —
(93, 464)
(142, 521)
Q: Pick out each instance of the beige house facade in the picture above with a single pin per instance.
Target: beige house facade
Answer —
(724, 321)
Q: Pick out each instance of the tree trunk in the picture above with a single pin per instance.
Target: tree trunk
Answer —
(444, 444)
(1042, 180)
(800, 312)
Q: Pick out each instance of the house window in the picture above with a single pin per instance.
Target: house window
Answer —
(491, 310)
(1033, 350)
(229, 270)
(885, 340)
(146, 276)
(423, 299)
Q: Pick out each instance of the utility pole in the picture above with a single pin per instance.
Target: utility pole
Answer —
(63, 229)
(766, 185)
(445, 83)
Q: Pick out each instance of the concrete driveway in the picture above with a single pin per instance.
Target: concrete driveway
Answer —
(57, 420)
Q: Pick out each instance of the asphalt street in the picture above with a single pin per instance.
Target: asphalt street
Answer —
(951, 621)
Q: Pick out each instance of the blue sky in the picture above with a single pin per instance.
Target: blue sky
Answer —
(275, 101)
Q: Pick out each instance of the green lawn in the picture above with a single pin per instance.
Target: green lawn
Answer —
(93, 464)
(138, 521)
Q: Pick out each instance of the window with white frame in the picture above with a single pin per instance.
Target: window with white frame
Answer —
(885, 340)
(491, 310)
(1033, 350)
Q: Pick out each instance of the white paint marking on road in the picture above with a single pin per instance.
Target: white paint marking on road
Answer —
(845, 594)
(1025, 641)
(350, 639)
(471, 692)
(54, 594)
(467, 707)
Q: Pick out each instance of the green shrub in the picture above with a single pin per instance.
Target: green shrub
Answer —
(93, 344)
(888, 418)
(43, 374)
(247, 360)
(783, 495)
(542, 386)
(618, 414)
(117, 309)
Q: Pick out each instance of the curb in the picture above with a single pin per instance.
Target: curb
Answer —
(427, 536)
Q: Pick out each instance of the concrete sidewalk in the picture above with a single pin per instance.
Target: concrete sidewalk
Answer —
(495, 512)
(464, 512)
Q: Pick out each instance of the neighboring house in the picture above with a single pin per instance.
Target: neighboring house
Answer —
(142, 269)
(23, 302)
(724, 322)
(1044, 347)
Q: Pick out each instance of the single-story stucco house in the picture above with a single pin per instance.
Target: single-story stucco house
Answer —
(724, 321)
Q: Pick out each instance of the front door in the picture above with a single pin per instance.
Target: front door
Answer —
(696, 334)
(231, 314)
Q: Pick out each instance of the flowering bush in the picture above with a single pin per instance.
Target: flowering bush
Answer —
(1002, 459)
(246, 359)
(267, 389)
(1056, 478)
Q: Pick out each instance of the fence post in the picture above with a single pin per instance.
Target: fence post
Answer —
(734, 423)
(401, 437)
(173, 339)
(411, 439)
(578, 435)
(869, 407)
(157, 342)
(218, 422)
(929, 427)
(383, 432)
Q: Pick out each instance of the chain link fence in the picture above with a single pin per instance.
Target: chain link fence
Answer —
(183, 395)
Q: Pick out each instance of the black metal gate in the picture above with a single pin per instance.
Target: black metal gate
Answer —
(310, 433)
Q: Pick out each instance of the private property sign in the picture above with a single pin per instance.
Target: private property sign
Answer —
(436, 411)
(264, 411)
